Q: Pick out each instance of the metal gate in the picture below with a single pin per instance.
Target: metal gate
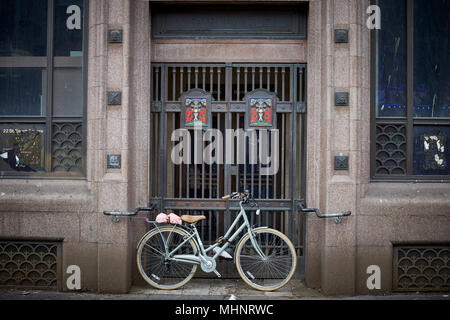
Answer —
(198, 188)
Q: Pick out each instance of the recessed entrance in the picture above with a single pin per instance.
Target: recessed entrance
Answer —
(190, 188)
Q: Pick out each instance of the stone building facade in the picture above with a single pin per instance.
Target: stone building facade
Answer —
(389, 214)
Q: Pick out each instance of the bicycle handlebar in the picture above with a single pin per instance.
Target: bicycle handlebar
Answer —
(236, 195)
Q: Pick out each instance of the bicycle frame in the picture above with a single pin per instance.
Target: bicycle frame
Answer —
(194, 259)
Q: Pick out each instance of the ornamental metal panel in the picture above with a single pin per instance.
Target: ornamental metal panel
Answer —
(421, 268)
(67, 147)
(261, 109)
(30, 264)
(196, 109)
(196, 187)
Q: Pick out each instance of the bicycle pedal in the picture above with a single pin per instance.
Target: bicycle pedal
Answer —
(217, 273)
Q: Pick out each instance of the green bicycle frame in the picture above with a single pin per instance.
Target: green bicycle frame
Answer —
(189, 258)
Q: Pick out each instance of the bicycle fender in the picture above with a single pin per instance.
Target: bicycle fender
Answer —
(151, 231)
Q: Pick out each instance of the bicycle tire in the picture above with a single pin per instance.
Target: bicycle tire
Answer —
(155, 268)
(274, 272)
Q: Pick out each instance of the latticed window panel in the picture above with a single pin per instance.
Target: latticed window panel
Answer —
(67, 148)
(29, 264)
(390, 147)
(421, 268)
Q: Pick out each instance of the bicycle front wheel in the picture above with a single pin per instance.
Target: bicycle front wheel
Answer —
(153, 265)
(272, 271)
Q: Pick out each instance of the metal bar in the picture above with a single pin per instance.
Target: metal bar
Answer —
(157, 84)
(245, 80)
(218, 223)
(218, 169)
(373, 76)
(209, 226)
(252, 174)
(238, 78)
(276, 81)
(49, 99)
(245, 162)
(211, 73)
(409, 85)
(237, 155)
(283, 80)
(204, 78)
(163, 139)
(283, 142)
(275, 195)
(292, 82)
(268, 78)
(152, 151)
(195, 164)
(304, 122)
(259, 164)
(210, 175)
(187, 172)
(189, 78)
(180, 172)
(196, 77)
(203, 171)
(293, 86)
(228, 125)
(173, 83)
(172, 166)
(260, 77)
(218, 82)
(300, 122)
(267, 186)
(181, 80)
(85, 48)
(155, 151)
(253, 78)
(323, 215)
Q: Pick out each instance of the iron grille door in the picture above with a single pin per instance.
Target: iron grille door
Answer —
(198, 188)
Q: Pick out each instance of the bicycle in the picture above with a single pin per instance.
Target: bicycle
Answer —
(168, 256)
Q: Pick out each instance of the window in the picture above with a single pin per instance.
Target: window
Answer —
(411, 91)
(229, 21)
(42, 79)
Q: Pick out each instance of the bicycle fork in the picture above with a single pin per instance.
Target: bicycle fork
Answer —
(255, 243)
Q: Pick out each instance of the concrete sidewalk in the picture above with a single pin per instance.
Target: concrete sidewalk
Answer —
(208, 289)
(222, 288)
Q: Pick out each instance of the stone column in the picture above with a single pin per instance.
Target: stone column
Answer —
(335, 131)
(108, 125)
(139, 128)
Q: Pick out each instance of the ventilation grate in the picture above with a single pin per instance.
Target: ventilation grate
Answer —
(30, 264)
(421, 268)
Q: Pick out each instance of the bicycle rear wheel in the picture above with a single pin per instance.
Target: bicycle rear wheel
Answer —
(153, 265)
(276, 269)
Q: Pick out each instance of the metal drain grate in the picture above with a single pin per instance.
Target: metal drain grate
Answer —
(31, 264)
(421, 268)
